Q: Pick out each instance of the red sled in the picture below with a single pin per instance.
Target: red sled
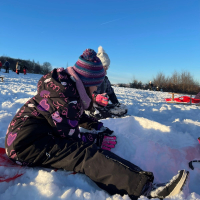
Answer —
(184, 99)
(6, 162)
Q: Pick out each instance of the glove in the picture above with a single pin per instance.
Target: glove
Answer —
(106, 142)
(102, 140)
(101, 99)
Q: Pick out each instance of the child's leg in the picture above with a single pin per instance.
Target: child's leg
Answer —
(110, 172)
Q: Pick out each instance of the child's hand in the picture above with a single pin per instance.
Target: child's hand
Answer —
(105, 141)
(102, 140)
(101, 99)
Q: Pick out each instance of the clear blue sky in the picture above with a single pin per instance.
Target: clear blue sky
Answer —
(141, 37)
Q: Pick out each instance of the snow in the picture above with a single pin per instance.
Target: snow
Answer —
(157, 136)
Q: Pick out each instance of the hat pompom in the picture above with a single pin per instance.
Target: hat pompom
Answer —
(103, 56)
(89, 55)
(100, 49)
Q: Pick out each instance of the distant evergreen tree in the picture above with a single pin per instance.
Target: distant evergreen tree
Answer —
(32, 66)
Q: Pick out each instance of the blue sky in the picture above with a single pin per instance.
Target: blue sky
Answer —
(141, 37)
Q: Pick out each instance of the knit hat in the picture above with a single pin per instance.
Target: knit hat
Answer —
(89, 68)
(103, 56)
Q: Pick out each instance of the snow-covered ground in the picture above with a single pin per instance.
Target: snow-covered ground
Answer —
(157, 136)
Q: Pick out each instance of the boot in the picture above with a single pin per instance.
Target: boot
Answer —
(171, 188)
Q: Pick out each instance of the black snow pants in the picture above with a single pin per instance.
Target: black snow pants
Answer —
(109, 171)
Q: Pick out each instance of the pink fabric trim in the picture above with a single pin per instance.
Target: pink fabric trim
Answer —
(80, 87)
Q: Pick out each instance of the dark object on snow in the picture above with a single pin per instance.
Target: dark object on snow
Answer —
(190, 163)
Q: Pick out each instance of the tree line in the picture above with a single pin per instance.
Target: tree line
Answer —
(177, 82)
(32, 66)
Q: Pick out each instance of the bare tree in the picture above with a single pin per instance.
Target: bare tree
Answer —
(159, 80)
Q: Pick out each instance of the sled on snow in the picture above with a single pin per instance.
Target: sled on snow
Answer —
(185, 100)
(4, 161)
(19, 170)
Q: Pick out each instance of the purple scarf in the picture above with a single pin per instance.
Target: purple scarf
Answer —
(80, 87)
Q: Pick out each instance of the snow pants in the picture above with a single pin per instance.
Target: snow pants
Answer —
(109, 171)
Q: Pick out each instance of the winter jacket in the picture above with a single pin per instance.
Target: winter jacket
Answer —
(7, 64)
(105, 87)
(55, 110)
(0, 64)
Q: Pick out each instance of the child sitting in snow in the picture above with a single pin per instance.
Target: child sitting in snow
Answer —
(104, 93)
(45, 132)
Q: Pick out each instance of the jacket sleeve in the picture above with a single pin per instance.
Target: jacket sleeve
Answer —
(110, 92)
(65, 121)
(113, 98)
(108, 89)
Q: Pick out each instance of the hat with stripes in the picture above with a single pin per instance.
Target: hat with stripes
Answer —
(89, 68)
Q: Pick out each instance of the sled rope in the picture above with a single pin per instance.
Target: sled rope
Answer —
(2, 179)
